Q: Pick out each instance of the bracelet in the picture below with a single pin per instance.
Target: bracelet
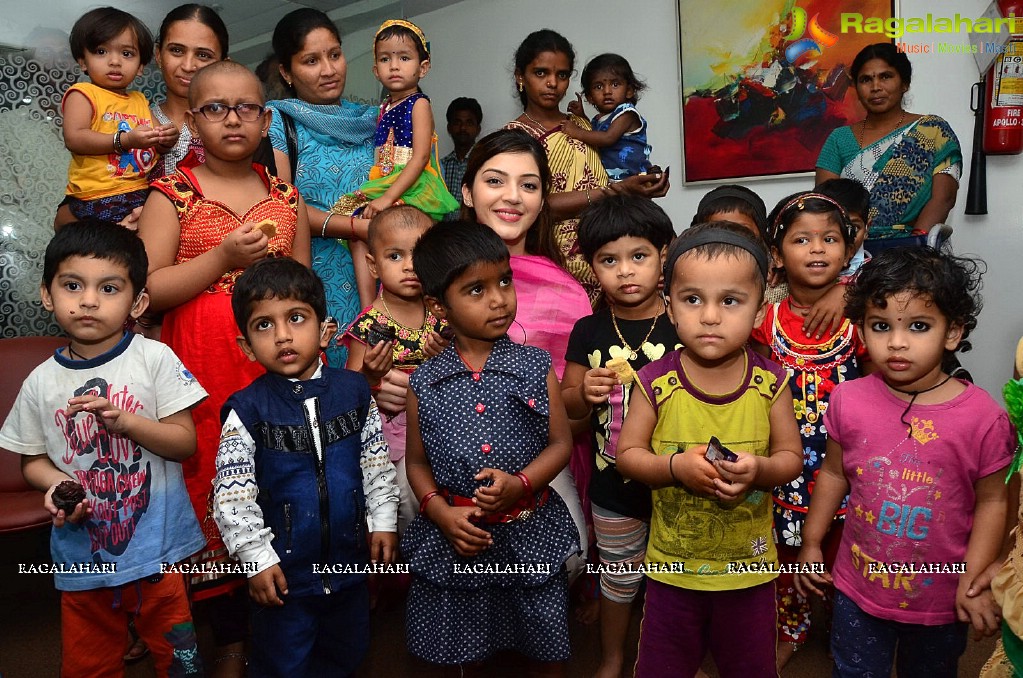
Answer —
(323, 231)
(529, 487)
(118, 148)
(671, 469)
(426, 500)
(376, 388)
(351, 224)
(589, 202)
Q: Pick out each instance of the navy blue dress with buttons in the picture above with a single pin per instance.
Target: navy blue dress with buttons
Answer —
(465, 609)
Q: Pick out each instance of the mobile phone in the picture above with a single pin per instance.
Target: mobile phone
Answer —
(716, 451)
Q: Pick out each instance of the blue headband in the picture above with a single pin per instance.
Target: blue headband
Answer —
(712, 235)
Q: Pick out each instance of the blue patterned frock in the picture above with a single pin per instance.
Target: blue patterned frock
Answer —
(458, 611)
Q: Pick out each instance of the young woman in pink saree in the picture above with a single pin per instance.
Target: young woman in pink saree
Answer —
(505, 187)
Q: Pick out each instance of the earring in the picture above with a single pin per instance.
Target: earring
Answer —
(520, 85)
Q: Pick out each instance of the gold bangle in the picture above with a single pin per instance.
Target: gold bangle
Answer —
(323, 231)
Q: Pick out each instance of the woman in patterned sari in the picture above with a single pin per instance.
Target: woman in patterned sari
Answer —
(910, 163)
(543, 67)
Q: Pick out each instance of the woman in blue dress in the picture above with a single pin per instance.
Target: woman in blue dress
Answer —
(332, 140)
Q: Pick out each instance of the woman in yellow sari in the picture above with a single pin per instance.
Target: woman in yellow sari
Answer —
(543, 68)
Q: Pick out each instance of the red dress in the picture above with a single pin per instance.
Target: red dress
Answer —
(202, 333)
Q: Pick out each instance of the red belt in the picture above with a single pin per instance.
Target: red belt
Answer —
(523, 508)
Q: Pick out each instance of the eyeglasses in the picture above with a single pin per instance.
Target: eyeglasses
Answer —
(218, 112)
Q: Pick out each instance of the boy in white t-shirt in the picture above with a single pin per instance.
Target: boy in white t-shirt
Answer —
(111, 413)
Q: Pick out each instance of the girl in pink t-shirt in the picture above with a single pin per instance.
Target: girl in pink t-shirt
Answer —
(922, 456)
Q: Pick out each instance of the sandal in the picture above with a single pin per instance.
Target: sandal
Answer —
(137, 651)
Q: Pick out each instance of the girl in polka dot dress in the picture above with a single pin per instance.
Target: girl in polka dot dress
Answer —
(487, 432)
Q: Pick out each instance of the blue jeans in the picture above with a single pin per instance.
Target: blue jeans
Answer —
(864, 645)
(312, 635)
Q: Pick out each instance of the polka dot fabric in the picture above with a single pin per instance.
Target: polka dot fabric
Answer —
(497, 418)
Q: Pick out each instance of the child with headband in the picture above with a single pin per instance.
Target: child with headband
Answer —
(711, 559)
(922, 456)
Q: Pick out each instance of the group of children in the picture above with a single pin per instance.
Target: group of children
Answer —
(724, 440)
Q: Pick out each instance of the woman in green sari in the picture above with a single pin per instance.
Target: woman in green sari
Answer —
(910, 163)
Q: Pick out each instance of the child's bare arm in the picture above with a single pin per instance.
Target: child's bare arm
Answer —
(989, 516)
(356, 353)
(454, 521)
(300, 247)
(263, 586)
(171, 285)
(624, 123)
(507, 489)
(172, 437)
(635, 459)
(168, 134)
(828, 493)
(422, 143)
(826, 313)
(434, 344)
(383, 547)
(982, 582)
(41, 474)
(365, 283)
(80, 138)
(391, 397)
(584, 388)
(374, 362)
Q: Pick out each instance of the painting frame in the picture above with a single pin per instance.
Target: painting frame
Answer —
(745, 105)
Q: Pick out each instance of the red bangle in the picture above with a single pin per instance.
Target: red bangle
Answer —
(351, 224)
(529, 487)
(376, 388)
(426, 500)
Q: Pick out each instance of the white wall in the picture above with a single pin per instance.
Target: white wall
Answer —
(473, 44)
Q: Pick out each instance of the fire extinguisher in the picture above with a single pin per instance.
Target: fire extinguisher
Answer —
(1003, 92)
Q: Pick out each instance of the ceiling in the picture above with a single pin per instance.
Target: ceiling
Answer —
(249, 22)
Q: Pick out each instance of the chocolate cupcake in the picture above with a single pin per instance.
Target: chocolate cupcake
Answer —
(378, 332)
(447, 332)
(67, 495)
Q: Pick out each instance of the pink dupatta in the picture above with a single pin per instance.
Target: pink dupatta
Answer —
(550, 301)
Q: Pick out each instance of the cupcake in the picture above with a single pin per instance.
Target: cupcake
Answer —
(67, 495)
(378, 332)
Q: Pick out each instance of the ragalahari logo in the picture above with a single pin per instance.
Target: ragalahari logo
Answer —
(806, 49)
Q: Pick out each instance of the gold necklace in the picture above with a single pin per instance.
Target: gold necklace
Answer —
(632, 351)
(543, 128)
(387, 310)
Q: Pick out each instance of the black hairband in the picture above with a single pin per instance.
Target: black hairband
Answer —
(706, 237)
(740, 193)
